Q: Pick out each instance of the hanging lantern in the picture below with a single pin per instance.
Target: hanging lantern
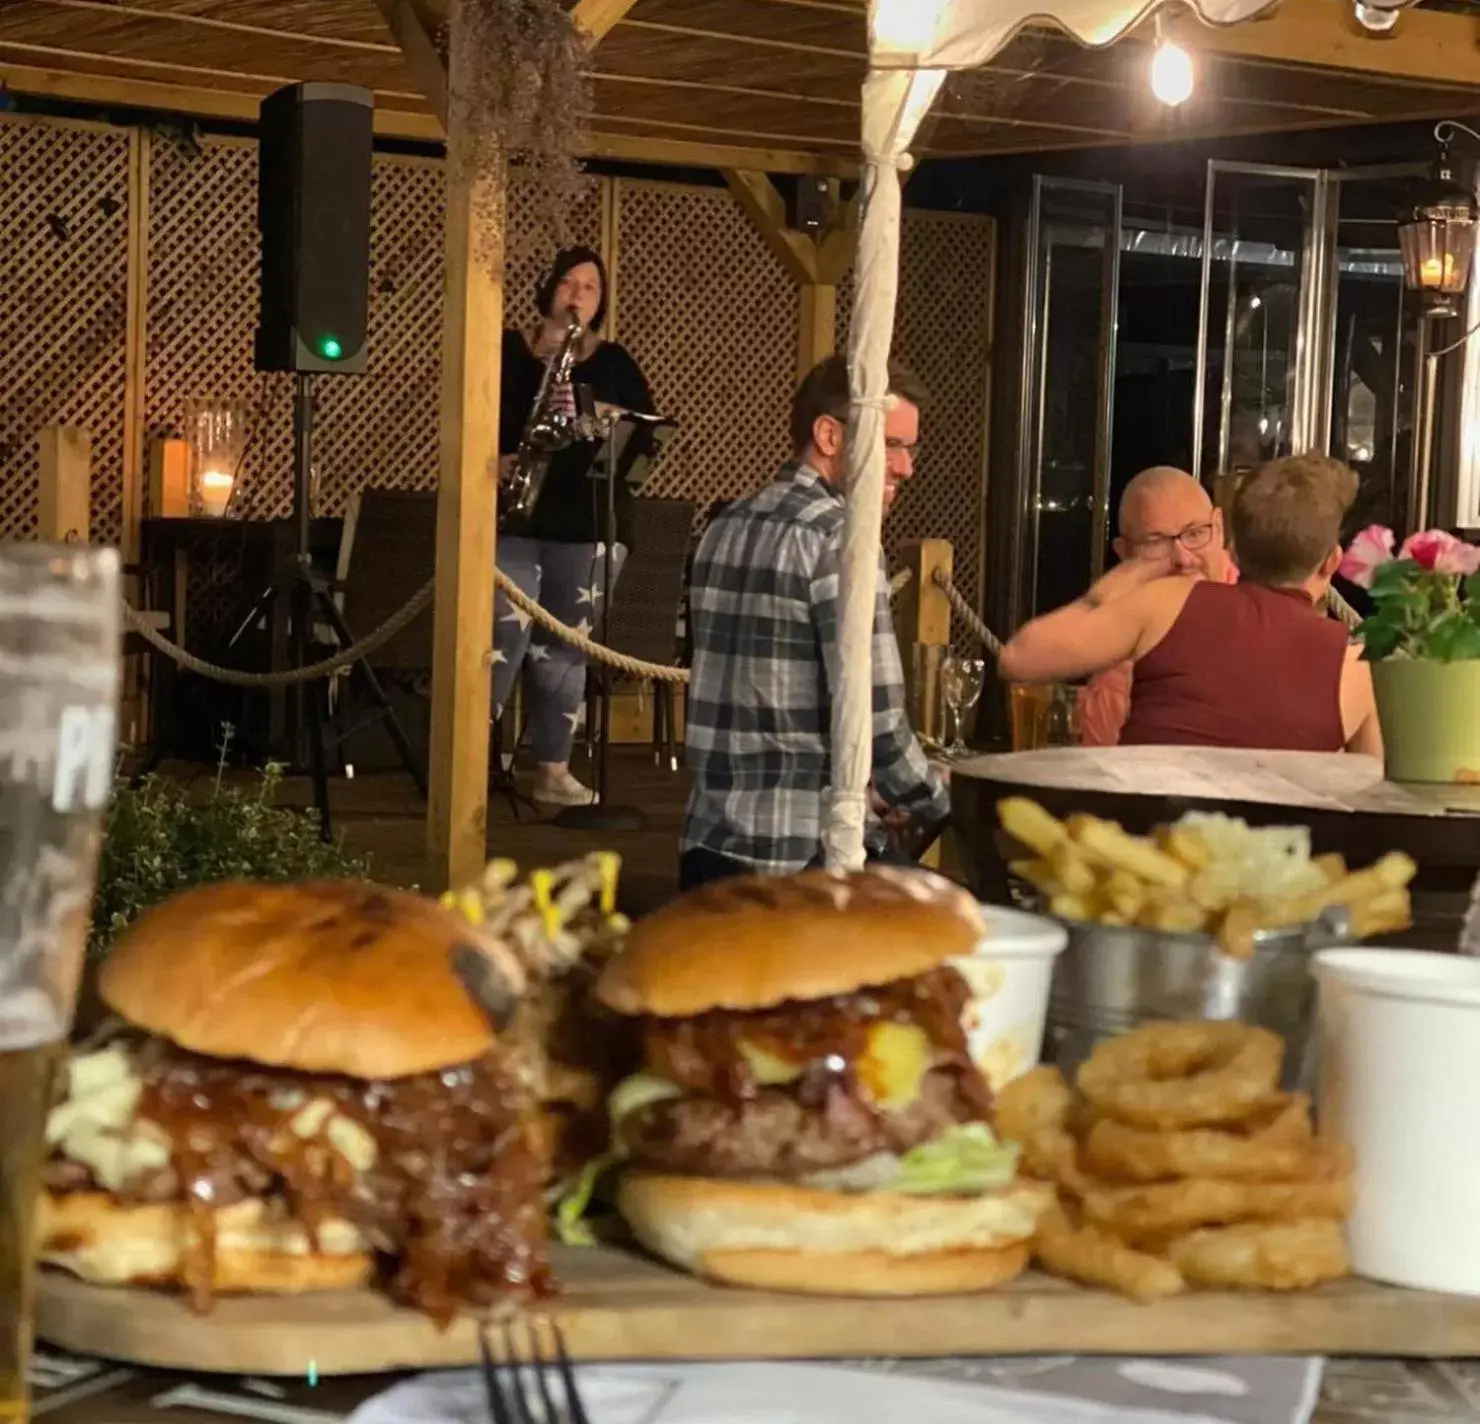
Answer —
(217, 432)
(1438, 240)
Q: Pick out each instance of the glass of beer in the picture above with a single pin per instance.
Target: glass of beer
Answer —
(59, 673)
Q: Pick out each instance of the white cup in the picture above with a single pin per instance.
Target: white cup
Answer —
(1009, 974)
(1399, 1035)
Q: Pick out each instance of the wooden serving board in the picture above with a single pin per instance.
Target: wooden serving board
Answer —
(617, 1306)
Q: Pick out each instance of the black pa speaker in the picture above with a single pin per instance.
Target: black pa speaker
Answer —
(313, 210)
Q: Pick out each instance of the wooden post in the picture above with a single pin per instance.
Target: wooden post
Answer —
(462, 648)
(169, 479)
(817, 338)
(922, 621)
(66, 484)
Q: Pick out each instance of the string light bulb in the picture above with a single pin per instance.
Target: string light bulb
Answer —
(1171, 72)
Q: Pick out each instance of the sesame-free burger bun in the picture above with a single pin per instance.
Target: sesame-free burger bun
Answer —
(321, 977)
(755, 941)
(257, 1251)
(775, 1236)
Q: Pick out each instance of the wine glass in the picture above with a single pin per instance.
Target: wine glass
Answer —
(961, 685)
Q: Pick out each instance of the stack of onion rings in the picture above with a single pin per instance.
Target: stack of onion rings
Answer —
(1180, 1163)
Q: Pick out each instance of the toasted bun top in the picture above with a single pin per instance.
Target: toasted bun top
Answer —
(323, 977)
(756, 941)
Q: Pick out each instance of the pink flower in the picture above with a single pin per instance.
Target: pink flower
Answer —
(1368, 549)
(1441, 553)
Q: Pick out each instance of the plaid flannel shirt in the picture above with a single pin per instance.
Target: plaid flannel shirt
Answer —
(763, 617)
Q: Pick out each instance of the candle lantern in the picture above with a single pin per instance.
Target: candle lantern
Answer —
(217, 432)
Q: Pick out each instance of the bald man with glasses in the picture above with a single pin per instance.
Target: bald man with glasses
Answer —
(1166, 518)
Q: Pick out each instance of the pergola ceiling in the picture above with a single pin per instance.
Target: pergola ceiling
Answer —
(761, 83)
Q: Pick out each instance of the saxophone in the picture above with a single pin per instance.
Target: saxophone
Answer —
(548, 429)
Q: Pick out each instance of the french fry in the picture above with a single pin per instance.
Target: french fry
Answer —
(1122, 894)
(1074, 872)
(1185, 845)
(1071, 907)
(1243, 920)
(1039, 874)
(1383, 914)
(1030, 825)
(1207, 891)
(1392, 872)
(1332, 866)
(1114, 848)
(1173, 914)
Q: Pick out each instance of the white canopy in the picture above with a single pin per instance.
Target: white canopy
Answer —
(912, 44)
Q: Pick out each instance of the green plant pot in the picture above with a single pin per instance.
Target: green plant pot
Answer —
(1430, 715)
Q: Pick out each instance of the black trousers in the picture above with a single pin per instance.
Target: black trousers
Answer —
(703, 867)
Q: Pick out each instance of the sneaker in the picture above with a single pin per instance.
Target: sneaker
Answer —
(562, 790)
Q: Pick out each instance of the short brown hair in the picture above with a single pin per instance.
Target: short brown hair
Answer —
(824, 391)
(1287, 517)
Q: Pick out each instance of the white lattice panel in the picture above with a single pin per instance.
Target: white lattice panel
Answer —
(942, 333)
(712, 319)
(63, 308)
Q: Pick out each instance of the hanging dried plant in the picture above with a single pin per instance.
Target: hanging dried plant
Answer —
(520, 100)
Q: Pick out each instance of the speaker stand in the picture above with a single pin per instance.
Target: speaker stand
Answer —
(309, 597)
(601, 815)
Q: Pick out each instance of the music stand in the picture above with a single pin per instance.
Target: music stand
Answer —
(634, 443)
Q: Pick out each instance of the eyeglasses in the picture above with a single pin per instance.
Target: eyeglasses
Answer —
(903, 445)
(1192, 538)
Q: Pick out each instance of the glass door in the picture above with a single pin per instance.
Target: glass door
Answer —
(1068, 383)
(1265, 328)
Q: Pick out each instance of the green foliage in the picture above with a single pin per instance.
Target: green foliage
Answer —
(1420, 614)
(159, 842)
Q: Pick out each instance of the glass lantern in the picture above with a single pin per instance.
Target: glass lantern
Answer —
(217, 432)
(1437, 240)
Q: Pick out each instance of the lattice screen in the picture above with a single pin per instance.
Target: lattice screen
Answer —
(942, 333)
(712, 319)
(63, 308)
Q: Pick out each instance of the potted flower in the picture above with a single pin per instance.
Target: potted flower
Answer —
(1423, 641)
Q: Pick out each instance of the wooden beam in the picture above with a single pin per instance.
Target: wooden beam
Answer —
(415, 29)
(766, 209)
(65, 484)
(1427, 46)
(922, 623)
(199, 102)
(467, 495)
(596, 19)
(717, 153)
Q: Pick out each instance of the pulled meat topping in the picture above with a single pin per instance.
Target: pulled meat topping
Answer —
(819, 1044)
(436, 1170)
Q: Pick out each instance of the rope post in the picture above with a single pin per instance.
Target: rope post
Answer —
(922, 623)
(66, 484)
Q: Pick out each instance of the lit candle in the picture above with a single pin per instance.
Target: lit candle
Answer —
(215, 491)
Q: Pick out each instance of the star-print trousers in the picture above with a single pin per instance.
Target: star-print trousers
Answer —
(567, 580)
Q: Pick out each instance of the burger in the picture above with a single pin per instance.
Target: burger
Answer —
(807, 1116)
(306, 1090)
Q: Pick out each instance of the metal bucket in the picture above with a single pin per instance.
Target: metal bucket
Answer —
(1111, 978)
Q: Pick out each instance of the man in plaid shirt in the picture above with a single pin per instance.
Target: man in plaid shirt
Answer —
(763, 618)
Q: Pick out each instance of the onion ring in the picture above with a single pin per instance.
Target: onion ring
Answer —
(1183, 1074)
(1113, 1150)
(1035, 1111)
(1166, 1209)
(1096, 1258)
(1288, 1255)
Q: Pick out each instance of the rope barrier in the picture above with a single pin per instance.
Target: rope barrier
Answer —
(234, 677)
(968, 614)
(1342, 609)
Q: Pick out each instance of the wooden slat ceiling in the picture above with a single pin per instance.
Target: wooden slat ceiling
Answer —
(780, 76)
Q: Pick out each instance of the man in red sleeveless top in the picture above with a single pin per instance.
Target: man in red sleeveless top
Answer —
(1252, 664)
(1164, 514)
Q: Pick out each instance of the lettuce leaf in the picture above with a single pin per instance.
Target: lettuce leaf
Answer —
(963, 1161)
(572, 1198)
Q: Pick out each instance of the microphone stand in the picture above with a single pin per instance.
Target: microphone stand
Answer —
(601, 815)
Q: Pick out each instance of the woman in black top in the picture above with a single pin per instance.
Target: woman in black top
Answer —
(555, 554)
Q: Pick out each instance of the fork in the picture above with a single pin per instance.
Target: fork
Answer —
(511, 1398)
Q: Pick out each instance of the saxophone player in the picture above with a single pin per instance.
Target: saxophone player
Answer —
(553, 552)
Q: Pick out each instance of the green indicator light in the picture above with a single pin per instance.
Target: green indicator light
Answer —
(330, 349)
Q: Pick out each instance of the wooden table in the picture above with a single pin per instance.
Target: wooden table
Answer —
(1343, 799)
